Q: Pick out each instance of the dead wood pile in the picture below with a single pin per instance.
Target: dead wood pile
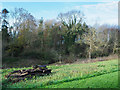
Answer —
(39, 70)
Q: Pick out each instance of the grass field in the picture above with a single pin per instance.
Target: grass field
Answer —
(94, 82)
(91, 75)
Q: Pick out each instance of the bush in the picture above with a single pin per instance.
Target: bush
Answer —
(79, 50)
(69, 58)
(49, 56)
(32, 54)
(13, 50)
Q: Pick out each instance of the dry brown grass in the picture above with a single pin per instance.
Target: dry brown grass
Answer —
(97, 59)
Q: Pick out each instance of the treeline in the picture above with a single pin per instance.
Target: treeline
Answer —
(64, 39)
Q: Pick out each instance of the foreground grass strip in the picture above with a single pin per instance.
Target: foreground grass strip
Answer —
(103, 81)
(65, 73)
(78, 78)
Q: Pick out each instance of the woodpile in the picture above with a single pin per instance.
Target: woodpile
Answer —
(39, 70)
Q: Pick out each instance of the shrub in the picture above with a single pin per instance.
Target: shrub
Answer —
(49, 56)
(13, 50)
(69, 58)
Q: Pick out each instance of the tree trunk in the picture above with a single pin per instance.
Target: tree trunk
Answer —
(114, 48)
(90, 51)
(89, 55)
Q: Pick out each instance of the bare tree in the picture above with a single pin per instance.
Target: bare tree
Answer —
(90, 39)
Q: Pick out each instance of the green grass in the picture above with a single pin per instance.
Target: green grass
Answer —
(87, 75)
(106, 81)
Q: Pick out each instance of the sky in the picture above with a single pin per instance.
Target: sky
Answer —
(97, 11)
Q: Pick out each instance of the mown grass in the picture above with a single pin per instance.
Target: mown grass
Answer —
(68, 74)
(106, 81)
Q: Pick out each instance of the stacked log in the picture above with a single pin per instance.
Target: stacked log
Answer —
(18, 75)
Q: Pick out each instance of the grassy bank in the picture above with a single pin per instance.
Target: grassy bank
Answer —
(65, 76)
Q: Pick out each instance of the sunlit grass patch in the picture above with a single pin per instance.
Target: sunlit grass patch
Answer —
(65, 73)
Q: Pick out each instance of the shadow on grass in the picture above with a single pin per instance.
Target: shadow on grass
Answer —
(75, 79)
